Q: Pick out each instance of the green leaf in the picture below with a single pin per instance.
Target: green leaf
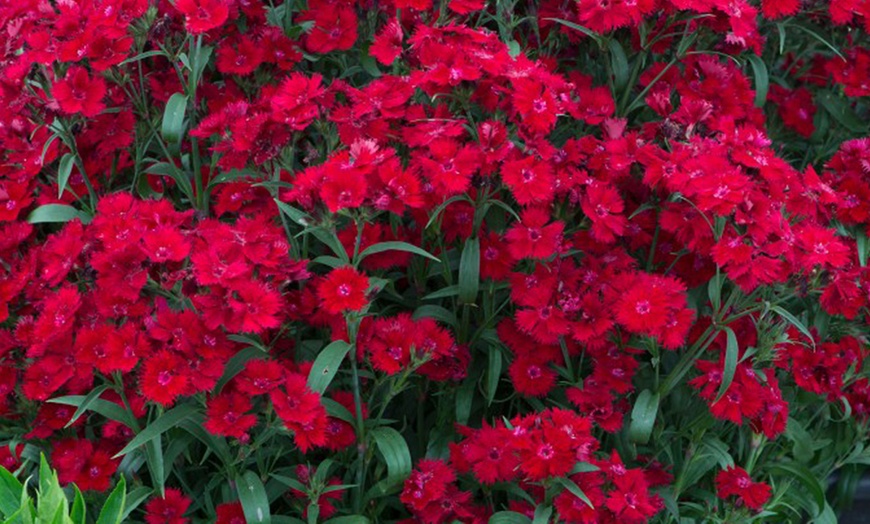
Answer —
(57, 213)
(78, 513)
(509, 517)
(643, 416)
(326, 365)
(762, 78)
(370, 66)
(542, 514)
(10, 493)
(236, 365)
(298, 216)
(436, 312)
(216, 445)
(619, 65)
(113, 509)
(380, 247)
(51, 497)
(493, 372)
(575, 490)
(64, 169)
(793, 320)
(807, 478)
(155, 459)
(349, 519)
(167, 421)
(732, 350)
(86, 403)
(863, 247)
(714, 291)
(395, 453)
(444, 292)
(469, 271)
(142, 56)
(134, 499)
(586, 31)
(108, 409)
(839, 108)
(252, 495)
(173, 118)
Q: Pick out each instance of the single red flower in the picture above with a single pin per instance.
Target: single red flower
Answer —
(203, 15)
(78, 92)
(167, 510)
(735, 481)
(225, 415)
(343, 289)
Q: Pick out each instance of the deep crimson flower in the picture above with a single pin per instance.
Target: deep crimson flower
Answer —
(226, 416)
(163, 377)
(167, 510)
(301, 411)
(343, 289)
(203, 15)
(78, 92)
(230, 513)
(387, 45)
(534, 237)
(334, 29)
(530, 180)
(735, 481)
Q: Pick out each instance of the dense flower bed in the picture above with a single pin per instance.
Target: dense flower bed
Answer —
(512, 262)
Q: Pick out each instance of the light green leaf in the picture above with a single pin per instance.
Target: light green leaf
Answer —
(113, 509)
(49, 213)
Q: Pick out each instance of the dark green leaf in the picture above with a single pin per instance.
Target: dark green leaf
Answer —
(469, 271)
(643, 416)
(619, 65)
(134, 499)
(64, 169)
(762, 78)
(732, 350)
(110, 410)
(807, 478)
(86, 403)
(542, 514)
(167, 421)
(252, 495)
(350, 519)
(586, 31)
(575, 490)
(173, 118)
(396, 246)
(509, 517)
(395, 453)
(326, 365)
(436, 312)
(298, 216)
(493, 372)
(793, 320)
